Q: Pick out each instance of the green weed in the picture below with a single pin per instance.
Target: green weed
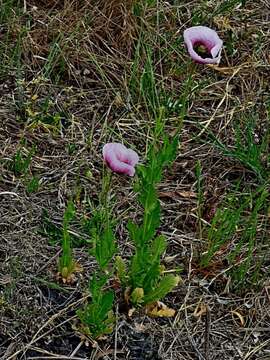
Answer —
(21, 162)
(10, 49)
(97, 317)
(227, 7)
(21, 166)
(102, 238)
(49, 229)
(253, 155)
(55, 63)
(32, 184)
(54, 231)
(144, 86)
(252, 239)
(66, 264)
(7, 9)
(238, 232)
(231, 43)
(41, 114)
(204, 12)
(223, 227)
(150, 90)
(49, 284)
(200, 199)
(15, 270)
(145, 279)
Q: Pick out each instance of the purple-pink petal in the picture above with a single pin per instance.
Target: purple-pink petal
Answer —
(203, 35)
(120, 159)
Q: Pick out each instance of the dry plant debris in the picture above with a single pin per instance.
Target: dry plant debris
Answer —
(75, 75)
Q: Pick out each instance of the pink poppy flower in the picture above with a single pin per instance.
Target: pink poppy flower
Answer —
(203, 36)
(120, 159)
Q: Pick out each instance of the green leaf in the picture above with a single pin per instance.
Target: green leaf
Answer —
(69, 213)
(135, 233)
(169, 150)
(137, 295)
(97, 316)
(105, 305)
(105, 247)
(96, 284)
(151, 277)
(102, 238)
(165, 286)
(147, 196)
(121, 270)
(140, 265)
(151, 223)
(158, 247)
(66, 263)
(153, 270)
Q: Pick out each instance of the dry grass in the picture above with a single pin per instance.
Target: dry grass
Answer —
(77, 58)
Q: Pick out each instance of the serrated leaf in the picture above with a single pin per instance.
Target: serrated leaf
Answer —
(164, 287)
(151, 223)
(105, 248)
(139, 267)
(151, 277)
(158, 247)
(97, 316)
(135, 233)
(106, 304)
(136, 296)
(153, 269)
(169, 150)
(96, 284)
(121, 270)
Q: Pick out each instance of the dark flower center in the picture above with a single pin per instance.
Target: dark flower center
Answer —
(202, 50)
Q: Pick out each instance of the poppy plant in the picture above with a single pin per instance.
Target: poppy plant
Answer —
(120, 159)
(203, 36)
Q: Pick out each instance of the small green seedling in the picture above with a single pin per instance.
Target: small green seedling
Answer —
(32, 184)
(67, 265)
(21, 161)
(200, 199)
(97, 316)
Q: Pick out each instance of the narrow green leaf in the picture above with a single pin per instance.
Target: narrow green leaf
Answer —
(105, 305)
(158, 247)
(165, 286)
